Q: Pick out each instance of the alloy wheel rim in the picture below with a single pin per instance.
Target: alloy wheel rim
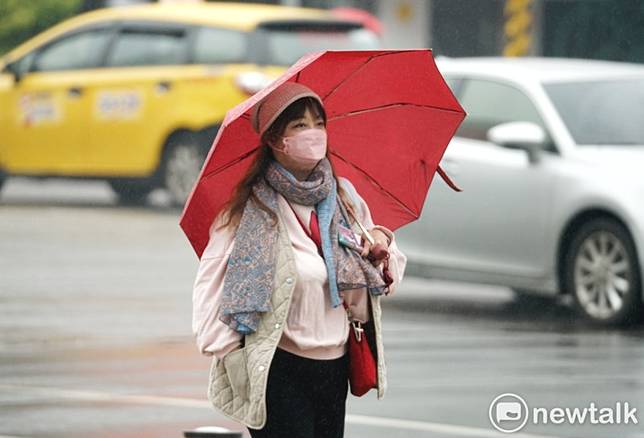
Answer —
(182, 171)
(602, 274)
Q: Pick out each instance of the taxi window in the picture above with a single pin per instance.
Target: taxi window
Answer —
(139, 47)
(78, 51)
(220, 46)
(284, 43)
(22, 66)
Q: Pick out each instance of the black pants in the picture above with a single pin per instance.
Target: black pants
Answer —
(305, 398)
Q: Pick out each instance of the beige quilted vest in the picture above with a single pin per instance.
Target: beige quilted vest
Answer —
(237, 383)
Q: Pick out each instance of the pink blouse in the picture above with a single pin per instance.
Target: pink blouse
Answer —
(313, 328)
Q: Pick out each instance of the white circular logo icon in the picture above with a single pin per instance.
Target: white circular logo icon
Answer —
(508, 413)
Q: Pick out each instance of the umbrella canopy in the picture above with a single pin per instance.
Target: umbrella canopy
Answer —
(390, 118)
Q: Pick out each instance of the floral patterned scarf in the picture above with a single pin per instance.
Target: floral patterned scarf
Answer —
(248, 282)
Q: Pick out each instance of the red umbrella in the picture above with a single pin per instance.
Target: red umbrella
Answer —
(390, 118)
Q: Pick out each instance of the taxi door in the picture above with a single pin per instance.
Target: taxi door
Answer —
(160, 78)
(45, 125)
(135, 98)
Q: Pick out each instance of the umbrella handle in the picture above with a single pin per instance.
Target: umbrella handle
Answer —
(377, 252)
(362, 228)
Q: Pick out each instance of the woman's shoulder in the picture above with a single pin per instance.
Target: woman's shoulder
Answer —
(221, 238)
(347, 185)
(344, 181)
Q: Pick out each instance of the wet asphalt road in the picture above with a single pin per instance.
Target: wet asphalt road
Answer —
(95, 337)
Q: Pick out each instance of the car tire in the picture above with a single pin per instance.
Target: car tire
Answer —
(182, 162)
(602, 273)
(131, 192)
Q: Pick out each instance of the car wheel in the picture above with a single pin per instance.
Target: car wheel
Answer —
(602, 273)
(131, 192)
(182, 164)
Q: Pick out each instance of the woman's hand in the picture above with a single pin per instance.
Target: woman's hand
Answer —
(379, 238)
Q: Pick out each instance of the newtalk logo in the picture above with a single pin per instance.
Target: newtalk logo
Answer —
(509, 413)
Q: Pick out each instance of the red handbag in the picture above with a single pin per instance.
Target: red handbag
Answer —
(363, 373)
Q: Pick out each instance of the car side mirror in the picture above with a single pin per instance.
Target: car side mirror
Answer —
(527, 136)
(9, 69)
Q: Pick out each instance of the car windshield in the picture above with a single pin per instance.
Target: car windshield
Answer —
(606, 112)
(285, 45)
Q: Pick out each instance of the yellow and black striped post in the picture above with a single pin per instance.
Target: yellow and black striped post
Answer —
(518, 29)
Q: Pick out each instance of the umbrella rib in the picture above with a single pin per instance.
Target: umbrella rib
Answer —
(388, 106)
(230, 163)
(391, 195)
(339, 84)
(364, 64)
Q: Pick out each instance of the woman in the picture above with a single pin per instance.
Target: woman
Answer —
(269, 294)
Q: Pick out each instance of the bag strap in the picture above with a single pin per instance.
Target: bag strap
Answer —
(355, 325)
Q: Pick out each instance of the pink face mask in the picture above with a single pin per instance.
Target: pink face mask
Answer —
(307, 146)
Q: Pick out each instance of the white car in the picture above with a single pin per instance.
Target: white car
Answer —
(551, 162)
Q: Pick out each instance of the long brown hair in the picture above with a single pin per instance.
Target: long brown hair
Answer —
(244, 190)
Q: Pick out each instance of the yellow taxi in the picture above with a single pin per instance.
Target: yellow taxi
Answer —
(134, 95)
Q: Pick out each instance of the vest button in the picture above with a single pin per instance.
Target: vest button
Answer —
(289, 280)
(262, 368)
(277, 325)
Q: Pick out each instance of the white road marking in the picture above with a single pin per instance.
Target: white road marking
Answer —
(74, 394)
(425, 426)
(365, 420)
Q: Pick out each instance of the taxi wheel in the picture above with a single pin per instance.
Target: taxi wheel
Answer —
(602, 273)
(131, 192)
(181, 167)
